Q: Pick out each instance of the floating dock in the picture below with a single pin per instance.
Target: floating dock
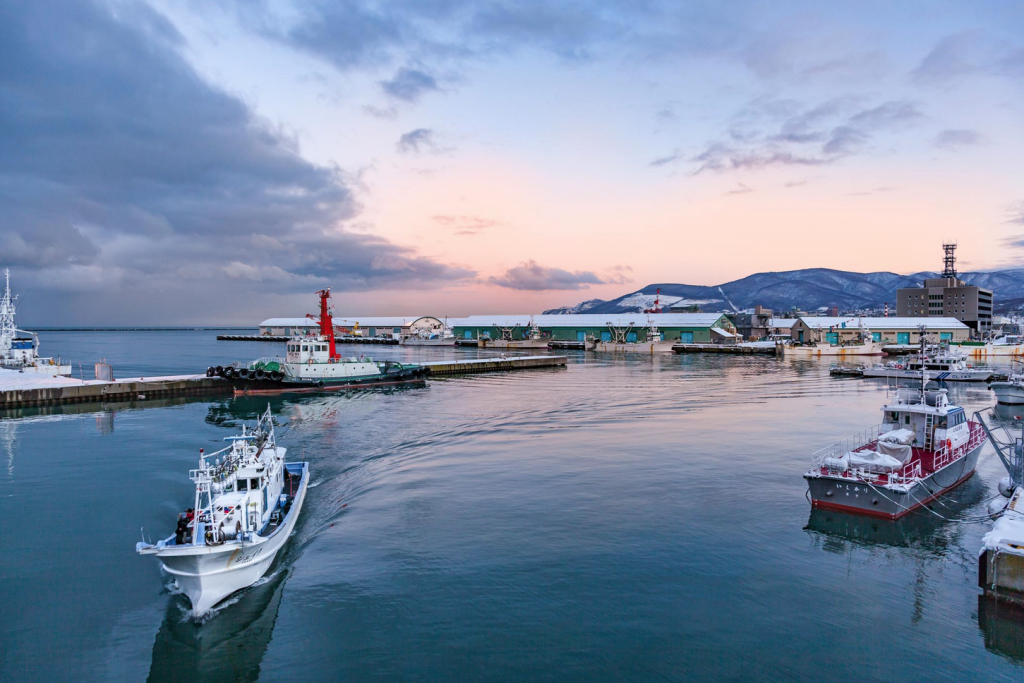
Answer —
(723, 348)
(498, 364)
(567, 344)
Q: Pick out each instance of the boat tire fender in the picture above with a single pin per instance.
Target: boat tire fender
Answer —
(260, 374)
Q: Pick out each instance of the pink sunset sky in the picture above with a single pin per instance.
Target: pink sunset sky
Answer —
(168, 162)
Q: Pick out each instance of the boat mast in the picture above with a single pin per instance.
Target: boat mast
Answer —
(7, 329)
(326, 321)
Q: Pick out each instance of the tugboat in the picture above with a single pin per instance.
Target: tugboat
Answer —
(312, 363)
(19, 349)
(925, 447)
(246, 504)
(948, 366)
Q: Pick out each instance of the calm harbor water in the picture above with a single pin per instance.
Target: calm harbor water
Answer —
(622, 519)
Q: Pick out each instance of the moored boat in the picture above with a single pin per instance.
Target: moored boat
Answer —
(1007, 345)
(1010, 391)
(924, 447)
(312, 363)
(19, 349)
(247, 501)
(530, 339)
(943, 365)
(626, 340)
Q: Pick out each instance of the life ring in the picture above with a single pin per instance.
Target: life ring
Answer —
(949, 444)
(899, 366)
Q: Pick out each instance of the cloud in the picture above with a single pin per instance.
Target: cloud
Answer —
(531, 276)
(953, 57)
(466, 225)
(775, 133)
(668, 159)
(409, 85)
(421, 140)
(116, 156)
(955, 138)
(741, 188)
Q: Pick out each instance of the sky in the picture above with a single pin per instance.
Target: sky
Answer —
(182, 162)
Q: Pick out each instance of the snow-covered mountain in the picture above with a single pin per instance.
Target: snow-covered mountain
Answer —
(806, 289)
(582, 307)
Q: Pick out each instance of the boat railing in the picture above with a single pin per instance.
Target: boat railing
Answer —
(841, 448)
(910, 473)
(947, 453)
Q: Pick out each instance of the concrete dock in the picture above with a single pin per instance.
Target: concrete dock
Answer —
(497, 364)
(27, 389)
(18, 390)
(384, 341)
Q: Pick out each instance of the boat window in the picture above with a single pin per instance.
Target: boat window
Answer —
(254, 484)
(906, 419)
(242, 484)
(304, 348)
(941, 422)
(893, 417)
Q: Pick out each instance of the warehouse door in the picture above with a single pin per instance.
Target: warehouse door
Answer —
(606, 336)
(686, 337)
(945, 336)
(902, 337)
(832, 337)
(631, 337)
(581, 335)
(876, 336)
(468, 334)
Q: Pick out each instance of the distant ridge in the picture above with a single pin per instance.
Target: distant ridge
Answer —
(807, 289)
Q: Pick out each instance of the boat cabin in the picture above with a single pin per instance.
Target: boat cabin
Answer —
(929, 416)
(308, 350)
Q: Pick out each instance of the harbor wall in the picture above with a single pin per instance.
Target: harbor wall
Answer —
(113, 391)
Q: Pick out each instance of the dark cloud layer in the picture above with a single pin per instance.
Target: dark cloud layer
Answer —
(409, 85)
(118, 162)
(532, 276)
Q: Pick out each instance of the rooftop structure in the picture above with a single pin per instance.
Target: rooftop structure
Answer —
(948, 296)
(367, 326)
(684, 327)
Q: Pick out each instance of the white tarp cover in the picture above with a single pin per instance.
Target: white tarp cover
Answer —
(873, 461)
(900, 436)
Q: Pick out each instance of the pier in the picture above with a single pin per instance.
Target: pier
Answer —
(384, 341)
(498, 364)
(23, 389)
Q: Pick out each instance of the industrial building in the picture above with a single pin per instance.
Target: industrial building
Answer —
(687, 328)
(837, 330)
(948, 296)
(357, 326)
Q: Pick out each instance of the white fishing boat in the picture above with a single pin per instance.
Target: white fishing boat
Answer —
(627, 340)
(864, 346)
(1011, 390)
(531, 338)
(1007, 345)
(945, 365)
(246, 504)
(443, 337)
(19, 349)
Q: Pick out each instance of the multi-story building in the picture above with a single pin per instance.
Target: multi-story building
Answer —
(948, 297)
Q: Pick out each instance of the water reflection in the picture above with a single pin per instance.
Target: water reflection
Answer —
(1002, 624)
(228, 647)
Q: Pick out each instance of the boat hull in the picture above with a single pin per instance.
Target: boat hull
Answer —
(247, 387)
(661, 346)
(915, 375)
(817, 350)
(993, 350)
(414, 341)
(1008, 393)
(209, 574)
(514, 343)
(829, 492)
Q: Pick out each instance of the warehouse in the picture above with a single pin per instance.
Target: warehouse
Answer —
(894, 330)
(357, 326)
(688, 328)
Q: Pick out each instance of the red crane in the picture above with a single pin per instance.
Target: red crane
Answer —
(326, 321)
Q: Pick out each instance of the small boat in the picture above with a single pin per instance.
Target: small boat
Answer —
(924, 447)
(246, 504)
(865, 346)
(312, 363)
(1011, 390)
(625, 340)
(948, 366)
(19, 349)
(844, 371)
(530, 339)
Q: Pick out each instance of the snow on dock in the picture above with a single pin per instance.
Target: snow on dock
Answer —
(19, 389)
